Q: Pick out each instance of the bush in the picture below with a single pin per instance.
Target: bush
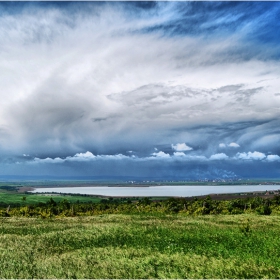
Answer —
(264, 210)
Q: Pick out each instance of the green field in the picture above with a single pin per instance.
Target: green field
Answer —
(9, 197)
(65, 236)
(141, 246)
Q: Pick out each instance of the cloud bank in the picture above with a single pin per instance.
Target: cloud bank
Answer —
(86, 82)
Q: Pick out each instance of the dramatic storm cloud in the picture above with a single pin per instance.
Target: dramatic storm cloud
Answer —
(146, 89)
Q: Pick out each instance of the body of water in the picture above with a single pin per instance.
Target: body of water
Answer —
(160, 191)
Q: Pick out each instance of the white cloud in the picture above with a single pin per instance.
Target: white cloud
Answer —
(82, 157)
(48, 160)
(220, 156)
(273, 158)
(179, 154)
(88, 156)
(114, 157)
(181, 147)
(251, 156)
(161, 154)
(233, 145)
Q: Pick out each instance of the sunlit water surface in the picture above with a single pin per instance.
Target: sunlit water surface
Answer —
(161, 191)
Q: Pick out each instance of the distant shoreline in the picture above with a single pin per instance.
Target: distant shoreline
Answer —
(217, 196)
(124, 185)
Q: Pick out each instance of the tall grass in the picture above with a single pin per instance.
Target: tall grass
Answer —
(141, 246)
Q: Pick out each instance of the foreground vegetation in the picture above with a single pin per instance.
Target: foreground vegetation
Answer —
(64, 208)
(141, 246)
(128, 238)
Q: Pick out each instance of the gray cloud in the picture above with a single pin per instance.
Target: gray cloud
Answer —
(99, 79)
(220, 156)
(98, 119)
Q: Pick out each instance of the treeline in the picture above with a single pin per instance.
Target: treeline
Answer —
(196, 206)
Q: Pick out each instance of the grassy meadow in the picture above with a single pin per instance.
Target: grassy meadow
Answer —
(9, 197)
(141, 246)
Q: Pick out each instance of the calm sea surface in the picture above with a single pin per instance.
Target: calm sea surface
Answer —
(183, 191)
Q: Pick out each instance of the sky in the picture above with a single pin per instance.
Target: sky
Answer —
(178, 90)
